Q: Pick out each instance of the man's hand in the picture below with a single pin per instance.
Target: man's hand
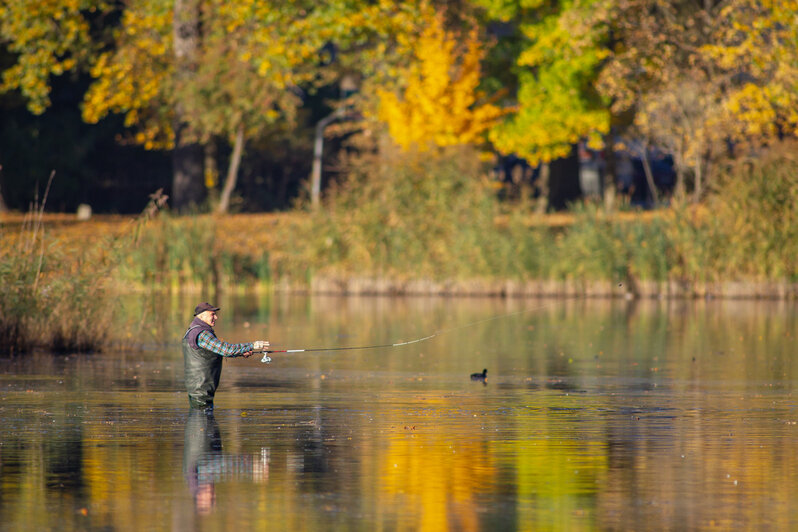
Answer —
(247, 354)
(259, 345)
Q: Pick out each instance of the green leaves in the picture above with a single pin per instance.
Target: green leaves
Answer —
(557, 103)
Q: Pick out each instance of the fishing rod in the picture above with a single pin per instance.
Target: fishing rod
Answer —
(266, 358)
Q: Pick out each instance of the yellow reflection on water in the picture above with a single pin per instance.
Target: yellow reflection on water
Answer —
(439, 479)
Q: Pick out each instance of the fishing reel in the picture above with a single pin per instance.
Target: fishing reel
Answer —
(266, 358)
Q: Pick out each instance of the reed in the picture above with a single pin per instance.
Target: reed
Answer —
(424, 216)
(196, 253)
(46, 301)
(56, 294)
(756, 209)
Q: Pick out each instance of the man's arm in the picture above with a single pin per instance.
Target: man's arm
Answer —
(208, 341)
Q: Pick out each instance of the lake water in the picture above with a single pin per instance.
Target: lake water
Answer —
(595, 415)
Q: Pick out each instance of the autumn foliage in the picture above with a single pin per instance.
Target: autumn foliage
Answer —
(524, 77)
(440, 102)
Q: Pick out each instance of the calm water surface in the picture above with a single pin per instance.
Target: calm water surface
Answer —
(596, 415)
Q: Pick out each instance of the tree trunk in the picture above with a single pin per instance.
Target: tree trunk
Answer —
(318, 150)
(652, 187)
(697, 192)
(3, 207)
(609, 181)
(232, 171)
(680, 192)
(188, 187)
(543, 187)
(563, 183)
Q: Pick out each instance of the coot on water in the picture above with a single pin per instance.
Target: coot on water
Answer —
(480, 376)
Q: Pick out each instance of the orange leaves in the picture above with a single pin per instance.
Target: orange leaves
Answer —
(440, 104)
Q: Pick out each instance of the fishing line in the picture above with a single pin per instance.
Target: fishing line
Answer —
(266, 358)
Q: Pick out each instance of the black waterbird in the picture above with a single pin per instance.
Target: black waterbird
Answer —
(480, 376)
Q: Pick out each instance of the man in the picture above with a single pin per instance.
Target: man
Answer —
(203, 354)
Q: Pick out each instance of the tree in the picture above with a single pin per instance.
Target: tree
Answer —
(187, 182)
(48, 39)
(248, 71)
(757, 42)
(191, 73)
(699, 79)
(556, 104)
(440, 103)
(245, 82)
(657, 75)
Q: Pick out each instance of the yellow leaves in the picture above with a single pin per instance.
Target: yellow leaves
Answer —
(264, 66)
(440, 104)
(594, 141)
(726, 58)
(152, 137)
(751, 105)
(48, 38)
(545, 42)
(551, 117)
(134, 78)
(762, 40)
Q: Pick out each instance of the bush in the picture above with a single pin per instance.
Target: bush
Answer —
(172, 252)
(426, 213)
(757, 208)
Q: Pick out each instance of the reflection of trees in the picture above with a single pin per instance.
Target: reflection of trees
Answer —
(559, 462)
(717, 460)
(63, 458)
(439, 479)
(609, 457)
(41, 457)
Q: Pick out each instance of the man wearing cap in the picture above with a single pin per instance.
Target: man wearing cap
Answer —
(203, 353)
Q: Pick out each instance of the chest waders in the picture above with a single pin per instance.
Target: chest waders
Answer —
(203, 369)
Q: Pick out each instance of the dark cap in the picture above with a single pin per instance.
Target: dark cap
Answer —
(202, 307)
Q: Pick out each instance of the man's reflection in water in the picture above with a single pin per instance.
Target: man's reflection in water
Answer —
(204, 463)
(203, 444)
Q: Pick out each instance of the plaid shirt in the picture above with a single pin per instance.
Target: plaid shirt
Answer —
(207, 340)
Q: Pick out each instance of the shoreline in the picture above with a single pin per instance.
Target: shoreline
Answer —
(509, 289)
(630, 289)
